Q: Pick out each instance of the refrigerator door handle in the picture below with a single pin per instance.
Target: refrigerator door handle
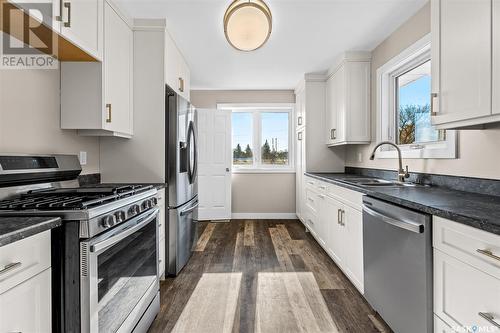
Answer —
(190, 209)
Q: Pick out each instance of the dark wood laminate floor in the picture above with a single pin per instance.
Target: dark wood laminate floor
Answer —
(262, 276)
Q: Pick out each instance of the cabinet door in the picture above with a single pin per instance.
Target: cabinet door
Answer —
(299, 173)
(82, 23)
(340, 87)
(183, 77)
(352, 221)
(463, 295)
(335, 239)
(117, 73)
(496, 56)
(463, 59)
(331, 109)
(27, 306)
(172, 63)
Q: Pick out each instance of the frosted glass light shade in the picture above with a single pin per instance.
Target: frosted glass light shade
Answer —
(247, 24)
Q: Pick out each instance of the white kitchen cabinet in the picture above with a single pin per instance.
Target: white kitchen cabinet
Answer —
(334, 218)
(463, 294)
(466, 276)
(82, 24)
(347, 112)
(177, 73)
(441, 327)
(299, 173)
(496, 57)
(27, 306)
(25, 288)
(96, 98)
(462, 48)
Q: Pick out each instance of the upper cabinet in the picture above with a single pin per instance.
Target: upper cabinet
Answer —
(82, 24)
(465, 63)
(75, 28)
(177, 74)
(96, 97)
(347, 112)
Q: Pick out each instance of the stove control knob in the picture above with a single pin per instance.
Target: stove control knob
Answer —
(120, 216)
(146, 204)
(108, 221)
(133, 210)
(155, 201)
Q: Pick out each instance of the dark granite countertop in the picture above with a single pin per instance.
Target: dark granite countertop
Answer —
(16, 228)
(476, 210)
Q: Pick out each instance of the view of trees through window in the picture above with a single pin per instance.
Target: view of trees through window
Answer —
(273, 138)
(413, 105)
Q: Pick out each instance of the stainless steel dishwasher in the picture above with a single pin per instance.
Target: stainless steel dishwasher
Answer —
(397, 253)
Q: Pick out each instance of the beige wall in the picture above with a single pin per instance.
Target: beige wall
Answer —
(478, 149)
(254, 193)
(30, 117)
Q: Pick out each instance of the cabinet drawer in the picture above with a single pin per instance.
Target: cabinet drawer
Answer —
(27, 306)
(349, 197)
(463, 294)
(476, 247)
(312, 200)
(26, 257)
(441, 327)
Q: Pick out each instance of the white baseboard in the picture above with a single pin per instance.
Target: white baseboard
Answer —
(264, 216)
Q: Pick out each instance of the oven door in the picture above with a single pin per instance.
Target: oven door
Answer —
(119, 274)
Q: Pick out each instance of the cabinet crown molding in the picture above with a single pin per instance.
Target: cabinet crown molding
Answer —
(355, 56)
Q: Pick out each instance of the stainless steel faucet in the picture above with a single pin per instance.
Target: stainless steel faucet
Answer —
(402, 173)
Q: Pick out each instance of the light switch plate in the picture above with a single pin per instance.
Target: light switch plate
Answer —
(83, 158)
(360, 157)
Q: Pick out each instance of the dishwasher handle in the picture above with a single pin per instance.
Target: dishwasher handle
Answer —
(407, 225)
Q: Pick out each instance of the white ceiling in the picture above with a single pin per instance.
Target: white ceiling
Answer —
(307, 36)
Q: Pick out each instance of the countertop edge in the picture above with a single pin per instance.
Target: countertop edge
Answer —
(19, 234)
(463, 219)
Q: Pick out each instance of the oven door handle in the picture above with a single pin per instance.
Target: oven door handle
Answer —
(141, 221)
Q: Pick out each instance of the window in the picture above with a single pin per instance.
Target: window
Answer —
(261, 138)
(404, 107)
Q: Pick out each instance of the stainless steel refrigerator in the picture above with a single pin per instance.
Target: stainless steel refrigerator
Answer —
(181, 175)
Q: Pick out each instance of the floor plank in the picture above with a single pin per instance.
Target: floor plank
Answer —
(287, 283)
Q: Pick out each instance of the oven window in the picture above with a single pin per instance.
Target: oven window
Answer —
(125, 272)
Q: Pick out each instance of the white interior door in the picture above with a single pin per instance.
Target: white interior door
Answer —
(214, 164)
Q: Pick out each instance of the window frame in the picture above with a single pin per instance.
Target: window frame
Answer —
(412, 57)
(256, 109)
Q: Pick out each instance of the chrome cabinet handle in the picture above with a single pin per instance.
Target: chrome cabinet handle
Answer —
(299, 136)
(310, 183)
(108, 109)
(489, 254)
(321, 196)
(323, 187)
(342, 215)
(332, 134)
(489, 318)
(433, 95)
(299, 121)
(339, 213)
(68, 5)
(9, 267)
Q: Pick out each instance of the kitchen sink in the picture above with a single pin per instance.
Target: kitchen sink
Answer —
(377, 182)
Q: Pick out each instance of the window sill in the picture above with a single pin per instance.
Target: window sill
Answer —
(262, 171)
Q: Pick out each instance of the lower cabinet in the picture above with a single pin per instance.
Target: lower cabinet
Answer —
(161, 233)
(25, 285)
(337, 225)
(27, 306)
(466, 278)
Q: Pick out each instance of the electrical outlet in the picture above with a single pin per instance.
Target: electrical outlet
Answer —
(360, 157)
(83, 157)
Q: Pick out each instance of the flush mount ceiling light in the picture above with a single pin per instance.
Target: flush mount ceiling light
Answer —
(247, 24)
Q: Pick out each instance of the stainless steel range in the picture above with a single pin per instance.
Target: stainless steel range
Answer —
(104, 257)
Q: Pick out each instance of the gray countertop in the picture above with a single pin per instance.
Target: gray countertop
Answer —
(476, 210)
(16, 228)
